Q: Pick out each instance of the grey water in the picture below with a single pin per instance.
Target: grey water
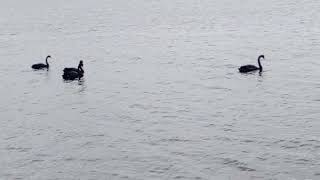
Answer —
(161, 97)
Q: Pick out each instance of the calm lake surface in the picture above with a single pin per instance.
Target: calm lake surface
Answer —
(162, 97)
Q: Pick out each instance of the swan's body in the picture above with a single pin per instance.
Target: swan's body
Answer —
(250, 68)
(41, 65)
(73, 73)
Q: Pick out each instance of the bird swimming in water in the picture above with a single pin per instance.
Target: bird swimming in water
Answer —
(41, 65)
(73, 73)
(250, 68)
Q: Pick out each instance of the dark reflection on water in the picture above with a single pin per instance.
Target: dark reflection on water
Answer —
(163, 98)
(80, 82)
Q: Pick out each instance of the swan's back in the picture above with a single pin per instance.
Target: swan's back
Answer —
(248, 68)
(69, 69)
(39, 66)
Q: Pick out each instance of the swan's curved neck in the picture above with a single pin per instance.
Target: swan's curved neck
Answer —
(47, 61)
(80, 68)
(259, 63)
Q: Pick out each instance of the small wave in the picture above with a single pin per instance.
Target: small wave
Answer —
(69, 159)
(303, 161)
(160, 170)
(170, 117)
(139, 106)
(240, 165)
(19, 149)
(297, 143)
(36, 160)
(180, 177)
(91, 159)
(176, 140)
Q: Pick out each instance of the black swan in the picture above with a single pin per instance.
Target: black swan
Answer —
(41, 65)
(73, 73)
(249, 68)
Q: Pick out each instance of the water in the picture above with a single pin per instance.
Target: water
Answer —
(161, 97)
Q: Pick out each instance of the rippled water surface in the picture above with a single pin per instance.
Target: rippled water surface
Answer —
(161, 97)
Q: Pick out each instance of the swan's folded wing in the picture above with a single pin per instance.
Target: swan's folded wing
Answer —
(69, 69)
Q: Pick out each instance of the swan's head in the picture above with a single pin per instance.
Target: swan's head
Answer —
(48, 56)
(81, 63)
(261, 56)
